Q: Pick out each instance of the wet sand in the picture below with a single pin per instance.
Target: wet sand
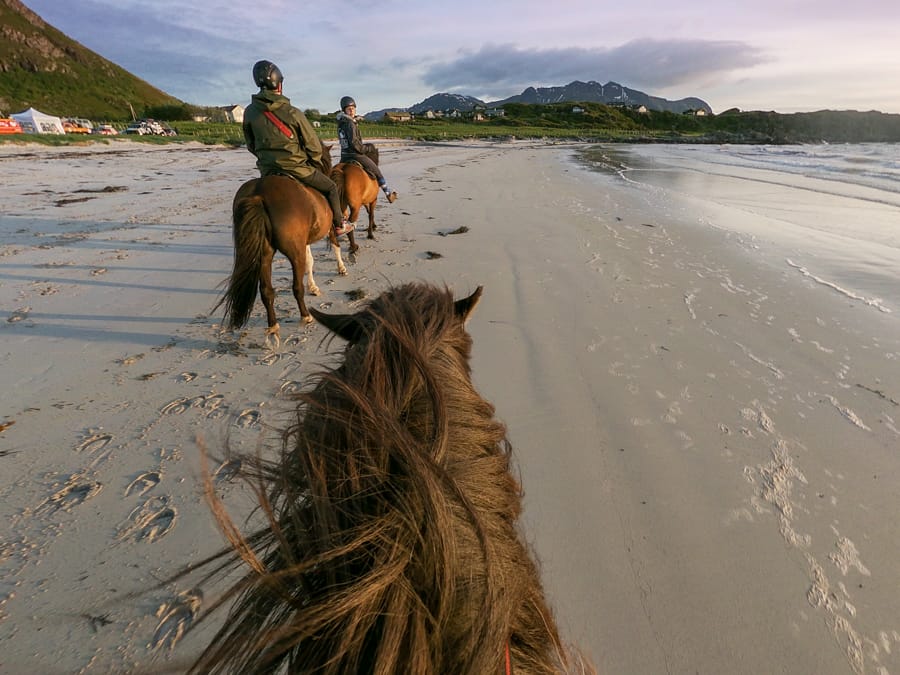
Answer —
(707, 437)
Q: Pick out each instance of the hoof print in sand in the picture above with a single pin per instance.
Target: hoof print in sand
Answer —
(143, 483)
(227, 472)
(248, 418)
(212, 403)
(462, 229)
(175, 618)
(290, 388)
(18, 315)
(150, 521)
(76, 490)
(94, 443)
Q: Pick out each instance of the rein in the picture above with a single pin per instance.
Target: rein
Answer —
(508, 661)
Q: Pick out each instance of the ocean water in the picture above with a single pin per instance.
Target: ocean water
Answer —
(829, 212)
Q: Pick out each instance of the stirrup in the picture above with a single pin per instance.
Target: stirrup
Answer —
(391, 197)
(344, 228)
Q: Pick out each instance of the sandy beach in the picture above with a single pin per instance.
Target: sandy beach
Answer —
(698, 363)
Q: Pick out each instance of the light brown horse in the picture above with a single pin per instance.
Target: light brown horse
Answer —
(358, 188)
(269, 214)
(391, 543)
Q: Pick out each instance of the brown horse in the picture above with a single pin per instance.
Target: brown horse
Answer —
(391, 543)
(269, 214)
(358, 188)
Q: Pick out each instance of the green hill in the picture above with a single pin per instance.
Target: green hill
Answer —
(42, 68)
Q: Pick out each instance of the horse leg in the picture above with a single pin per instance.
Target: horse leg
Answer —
(267, 294)
(313, 289)
(336, 247)
(370, 209)
(302, 266)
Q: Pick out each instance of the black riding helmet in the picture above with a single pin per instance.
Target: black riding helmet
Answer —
(347, 100)
(266, 75)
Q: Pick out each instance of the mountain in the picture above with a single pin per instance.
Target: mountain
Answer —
(611, 93)
(42, 68)
(446, 102)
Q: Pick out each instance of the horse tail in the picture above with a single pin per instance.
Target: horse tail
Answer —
(251, 233)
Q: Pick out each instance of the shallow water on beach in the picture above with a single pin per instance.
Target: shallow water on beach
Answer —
(831, 212)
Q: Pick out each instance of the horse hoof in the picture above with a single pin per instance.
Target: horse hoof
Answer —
(314, 290)
(273, 333)
(308, 318)
(342, 271)
(370, 236)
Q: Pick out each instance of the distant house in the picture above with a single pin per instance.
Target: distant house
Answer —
(316, 124)
(495, 112)
(429, 114)
(397, 116)
(577, 110)
(642, 109)
(233, 113)
(699, 112)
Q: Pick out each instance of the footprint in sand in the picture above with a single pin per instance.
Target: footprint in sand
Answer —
(150, 521)
(187, 377)
(175, 618)
(77, 490)
(143, 483)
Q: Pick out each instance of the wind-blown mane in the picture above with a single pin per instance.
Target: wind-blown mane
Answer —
(391, 544)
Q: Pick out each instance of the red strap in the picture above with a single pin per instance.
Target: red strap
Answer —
(282, 127)
(508, 661)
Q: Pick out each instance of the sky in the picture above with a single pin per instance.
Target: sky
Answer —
(782, 55)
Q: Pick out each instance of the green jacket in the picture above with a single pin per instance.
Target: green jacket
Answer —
(298, 154)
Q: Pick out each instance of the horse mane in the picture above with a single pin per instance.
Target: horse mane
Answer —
(390, 542)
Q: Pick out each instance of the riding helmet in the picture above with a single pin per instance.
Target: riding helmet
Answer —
(266, 75)
(347, 100)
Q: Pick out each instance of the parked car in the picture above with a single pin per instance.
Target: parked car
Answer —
(149, 126)
(105, 130)
(73, 126)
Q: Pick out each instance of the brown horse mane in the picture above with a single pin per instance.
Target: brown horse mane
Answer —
(391, 543)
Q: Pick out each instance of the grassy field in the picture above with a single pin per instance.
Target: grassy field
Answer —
(212, 133)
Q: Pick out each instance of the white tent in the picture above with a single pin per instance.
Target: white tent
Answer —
(35, 122)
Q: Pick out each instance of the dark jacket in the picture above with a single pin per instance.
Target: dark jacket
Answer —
(299, 154)
(349, 136)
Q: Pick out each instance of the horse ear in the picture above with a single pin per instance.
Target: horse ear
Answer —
(465, 306)
(342, 325)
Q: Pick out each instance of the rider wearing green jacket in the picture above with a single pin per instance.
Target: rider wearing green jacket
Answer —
(284, 142)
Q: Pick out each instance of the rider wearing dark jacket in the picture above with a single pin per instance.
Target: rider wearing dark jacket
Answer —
(283, 140)
(352, 149)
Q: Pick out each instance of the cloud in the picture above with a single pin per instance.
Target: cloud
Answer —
(648, 63)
